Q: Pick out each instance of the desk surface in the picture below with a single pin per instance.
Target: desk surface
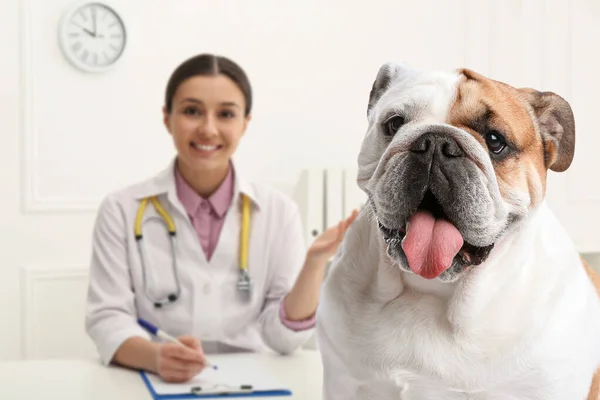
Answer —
(88, 379)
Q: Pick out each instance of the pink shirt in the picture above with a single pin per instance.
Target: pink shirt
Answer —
(207, 217)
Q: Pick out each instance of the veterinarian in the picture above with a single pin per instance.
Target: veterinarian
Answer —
(198, 251)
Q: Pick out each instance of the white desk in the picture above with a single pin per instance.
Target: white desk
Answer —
(87, 379)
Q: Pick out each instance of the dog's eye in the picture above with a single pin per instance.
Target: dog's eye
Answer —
(495, 142)
(393, 124)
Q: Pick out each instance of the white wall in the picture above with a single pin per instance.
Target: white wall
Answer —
(68, 137)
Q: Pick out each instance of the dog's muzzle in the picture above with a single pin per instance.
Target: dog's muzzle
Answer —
(428, 208)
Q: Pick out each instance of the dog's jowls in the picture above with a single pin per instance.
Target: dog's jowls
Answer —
(456, 281)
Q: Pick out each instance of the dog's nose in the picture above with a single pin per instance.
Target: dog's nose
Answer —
(430, 143)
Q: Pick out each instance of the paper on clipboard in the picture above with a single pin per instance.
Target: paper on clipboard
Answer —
(232, 376)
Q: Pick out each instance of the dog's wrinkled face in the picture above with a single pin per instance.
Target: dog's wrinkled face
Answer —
(452, 161)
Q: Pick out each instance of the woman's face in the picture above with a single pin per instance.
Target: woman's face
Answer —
(206, 122)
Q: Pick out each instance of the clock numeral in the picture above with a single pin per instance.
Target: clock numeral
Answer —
(115, 48)
(85, 55)
(95, 58)
(113, 24)
(116, 36)
(74, 34)
(83, 15)
(76, 46)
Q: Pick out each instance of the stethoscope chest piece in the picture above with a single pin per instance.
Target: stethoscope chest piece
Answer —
(244, 283)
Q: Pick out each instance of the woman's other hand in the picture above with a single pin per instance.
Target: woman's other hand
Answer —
(176, 363)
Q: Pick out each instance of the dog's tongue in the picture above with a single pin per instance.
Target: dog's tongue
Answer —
(430, 244)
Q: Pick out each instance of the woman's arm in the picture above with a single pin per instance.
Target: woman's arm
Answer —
(111, 316)
(138, 353)
(302, 301)
(294, 286)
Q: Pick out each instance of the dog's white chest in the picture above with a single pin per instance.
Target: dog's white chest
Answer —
(382, 342)
(404, 351)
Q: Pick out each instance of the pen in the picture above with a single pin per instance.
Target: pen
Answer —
(165, 336)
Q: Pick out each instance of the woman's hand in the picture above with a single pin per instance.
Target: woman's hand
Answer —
(326, 244)
(176, 363)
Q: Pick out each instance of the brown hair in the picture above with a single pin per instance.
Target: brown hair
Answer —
(208, 64)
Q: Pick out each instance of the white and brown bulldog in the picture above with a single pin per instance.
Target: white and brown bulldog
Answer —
(456, 281)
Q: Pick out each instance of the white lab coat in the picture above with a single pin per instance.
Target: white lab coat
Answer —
(210, 306)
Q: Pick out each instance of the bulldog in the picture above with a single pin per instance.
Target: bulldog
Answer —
(457, 281)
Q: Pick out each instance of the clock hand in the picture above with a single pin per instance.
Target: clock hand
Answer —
(94, 19)
(85, 29)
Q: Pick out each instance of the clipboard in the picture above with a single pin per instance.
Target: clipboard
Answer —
(233, 378)
(217, 391)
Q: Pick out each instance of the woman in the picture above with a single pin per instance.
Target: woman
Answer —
(207, 108)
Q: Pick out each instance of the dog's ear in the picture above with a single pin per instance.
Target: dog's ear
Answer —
(385, 76)
(557, 126)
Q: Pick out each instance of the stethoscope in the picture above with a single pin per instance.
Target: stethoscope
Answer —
(244, 283)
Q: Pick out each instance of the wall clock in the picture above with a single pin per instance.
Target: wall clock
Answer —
(92, 36)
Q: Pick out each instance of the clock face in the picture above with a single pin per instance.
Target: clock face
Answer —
(93, 36)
